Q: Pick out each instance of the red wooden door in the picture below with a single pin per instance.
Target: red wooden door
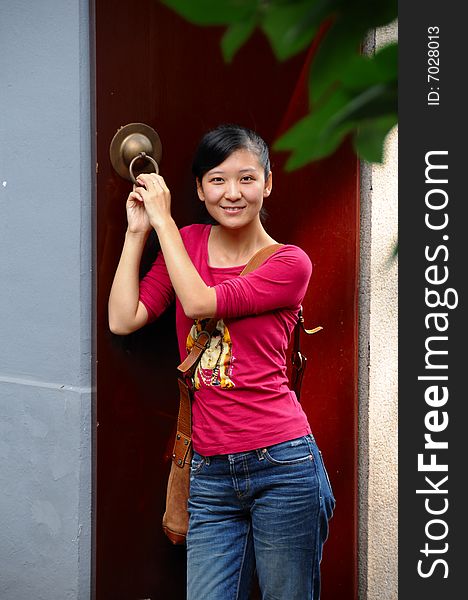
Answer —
(153, 67)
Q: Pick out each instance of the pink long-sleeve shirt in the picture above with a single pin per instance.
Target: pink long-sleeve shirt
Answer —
(242, 399)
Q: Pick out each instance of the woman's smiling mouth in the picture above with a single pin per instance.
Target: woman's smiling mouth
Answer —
(233, 209)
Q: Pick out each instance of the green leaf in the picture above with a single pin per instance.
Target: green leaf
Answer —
(364, 71)
(371, 13)
(213, 12)
(281, 24)
(235, 37)
(387, 59)
(312, 137)
(300, 132)
(375, 101)
(316, 149)
(334, 56)
(318, 12)
(369, 139)
(372, 112)
(342, 42)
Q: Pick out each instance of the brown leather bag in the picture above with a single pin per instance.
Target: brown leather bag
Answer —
(175, 519)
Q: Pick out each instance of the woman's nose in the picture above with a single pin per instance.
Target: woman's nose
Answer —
(232, 191)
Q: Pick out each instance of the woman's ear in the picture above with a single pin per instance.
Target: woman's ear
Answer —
(268, 185)
(200, 192)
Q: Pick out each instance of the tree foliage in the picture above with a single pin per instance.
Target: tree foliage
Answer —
(350, 94)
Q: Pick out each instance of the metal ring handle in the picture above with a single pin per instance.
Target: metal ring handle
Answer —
(137, 157)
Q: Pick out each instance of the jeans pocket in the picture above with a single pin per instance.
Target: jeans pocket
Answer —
(289, 453)
(326, 493)
(197, 463)
(326, 474)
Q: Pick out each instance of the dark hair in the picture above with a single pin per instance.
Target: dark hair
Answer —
(219, 143)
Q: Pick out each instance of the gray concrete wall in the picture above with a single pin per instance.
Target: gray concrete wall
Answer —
(45, 300)
(378, 373)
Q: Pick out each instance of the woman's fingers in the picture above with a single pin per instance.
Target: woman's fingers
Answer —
(145, 180)
(152, 182)
(162, 183)
(135, 196)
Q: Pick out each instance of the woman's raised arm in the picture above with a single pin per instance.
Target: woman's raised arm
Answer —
(126, 312)
(197, 299)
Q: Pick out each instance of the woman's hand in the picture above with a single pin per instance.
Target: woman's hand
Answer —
(155, 196)
(137, 217)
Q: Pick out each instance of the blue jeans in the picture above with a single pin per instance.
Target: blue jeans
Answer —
(265, 510)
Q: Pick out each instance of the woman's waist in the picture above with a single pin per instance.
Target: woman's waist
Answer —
(217, 442)
(233, 421)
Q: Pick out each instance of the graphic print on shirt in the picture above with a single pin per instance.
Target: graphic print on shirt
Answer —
(215, 366)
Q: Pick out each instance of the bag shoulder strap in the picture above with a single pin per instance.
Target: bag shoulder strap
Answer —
(260, 257)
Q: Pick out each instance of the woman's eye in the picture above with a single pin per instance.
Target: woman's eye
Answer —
(247, 178)
(216, 180)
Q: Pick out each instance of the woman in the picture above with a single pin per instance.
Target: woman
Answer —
(259, 493)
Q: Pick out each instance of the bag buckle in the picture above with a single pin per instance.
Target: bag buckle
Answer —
(202, 345)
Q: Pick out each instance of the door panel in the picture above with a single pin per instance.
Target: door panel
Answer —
(155, 68)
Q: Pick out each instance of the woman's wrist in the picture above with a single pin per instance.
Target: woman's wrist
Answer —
(137, 235)
(164, 224)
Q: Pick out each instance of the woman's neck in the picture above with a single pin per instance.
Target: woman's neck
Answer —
(234, 247)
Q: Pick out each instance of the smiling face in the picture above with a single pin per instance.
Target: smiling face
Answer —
(233, 191)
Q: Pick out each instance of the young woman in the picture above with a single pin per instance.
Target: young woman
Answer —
(260, 498)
